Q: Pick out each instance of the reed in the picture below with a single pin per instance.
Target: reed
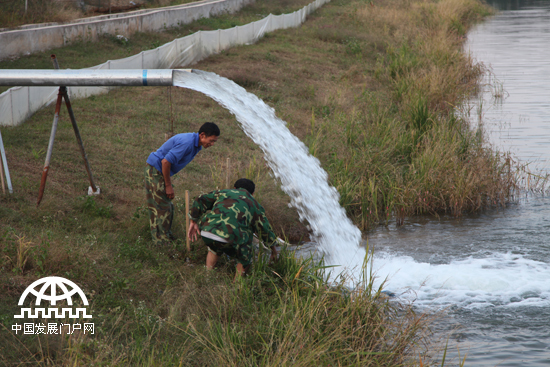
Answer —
(411, 151)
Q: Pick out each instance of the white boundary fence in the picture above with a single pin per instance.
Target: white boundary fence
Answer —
(19, 103)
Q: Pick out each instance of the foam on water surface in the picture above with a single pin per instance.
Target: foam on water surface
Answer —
(501, 279)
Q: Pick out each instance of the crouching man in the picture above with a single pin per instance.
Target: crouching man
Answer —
(227, 220)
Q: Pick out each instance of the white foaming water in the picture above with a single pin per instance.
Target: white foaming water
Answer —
(498, 280)
(301, 175)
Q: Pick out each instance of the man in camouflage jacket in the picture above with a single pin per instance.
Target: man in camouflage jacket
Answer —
(227, 220)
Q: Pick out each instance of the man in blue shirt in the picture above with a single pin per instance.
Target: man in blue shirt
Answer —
(168, 160)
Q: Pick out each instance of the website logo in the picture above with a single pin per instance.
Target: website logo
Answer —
(52, 290)
(52, 283)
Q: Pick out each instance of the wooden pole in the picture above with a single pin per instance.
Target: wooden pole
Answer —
(187, 219)
(227, 176)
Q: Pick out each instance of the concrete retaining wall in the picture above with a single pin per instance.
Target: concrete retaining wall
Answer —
(34, 38)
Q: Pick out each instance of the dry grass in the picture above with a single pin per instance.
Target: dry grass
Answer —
(13, 14)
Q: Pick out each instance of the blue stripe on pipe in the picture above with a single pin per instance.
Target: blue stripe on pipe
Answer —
(145, 77)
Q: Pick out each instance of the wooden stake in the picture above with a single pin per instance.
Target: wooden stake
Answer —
(227, 176)
(187, 219)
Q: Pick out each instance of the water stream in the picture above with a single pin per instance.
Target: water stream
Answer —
(301, 175)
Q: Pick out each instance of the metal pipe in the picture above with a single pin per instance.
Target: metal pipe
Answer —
(87, 77)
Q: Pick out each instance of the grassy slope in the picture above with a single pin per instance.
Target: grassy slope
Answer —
(364, 84)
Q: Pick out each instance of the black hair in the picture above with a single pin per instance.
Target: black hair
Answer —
(245, 183)
(209, 129)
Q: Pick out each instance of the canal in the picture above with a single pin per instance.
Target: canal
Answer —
(490, 272)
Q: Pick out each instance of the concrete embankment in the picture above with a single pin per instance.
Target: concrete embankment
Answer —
(29, 39)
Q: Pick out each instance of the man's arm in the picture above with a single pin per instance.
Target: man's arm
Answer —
(265, 232)
(167, 181)
(200, 206)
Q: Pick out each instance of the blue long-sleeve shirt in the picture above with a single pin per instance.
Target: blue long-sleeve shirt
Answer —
(179, 150)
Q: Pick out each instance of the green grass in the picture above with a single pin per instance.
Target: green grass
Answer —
(370, 87)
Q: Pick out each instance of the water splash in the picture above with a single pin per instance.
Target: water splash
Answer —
(300, 173)
(497, 280)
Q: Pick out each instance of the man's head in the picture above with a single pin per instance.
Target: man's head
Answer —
(208, 134)
(245, 183)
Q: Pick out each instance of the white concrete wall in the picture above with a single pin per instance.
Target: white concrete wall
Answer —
(34, 38)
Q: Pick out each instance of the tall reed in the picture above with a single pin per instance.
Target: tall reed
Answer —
(410, 151)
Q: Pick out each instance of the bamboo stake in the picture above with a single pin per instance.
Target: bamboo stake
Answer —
(187, 219)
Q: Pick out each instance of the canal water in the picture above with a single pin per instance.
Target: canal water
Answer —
(490, 272)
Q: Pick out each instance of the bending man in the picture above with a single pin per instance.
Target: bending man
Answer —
(168, 160)
(227, 220)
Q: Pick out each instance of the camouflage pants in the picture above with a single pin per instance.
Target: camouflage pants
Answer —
(161, 209)
(242, 253)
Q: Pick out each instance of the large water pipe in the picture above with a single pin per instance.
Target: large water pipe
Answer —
(87, 77)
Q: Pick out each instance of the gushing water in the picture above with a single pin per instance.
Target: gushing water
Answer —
(300, 173)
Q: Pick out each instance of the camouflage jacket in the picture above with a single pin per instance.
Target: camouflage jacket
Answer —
(234, 215)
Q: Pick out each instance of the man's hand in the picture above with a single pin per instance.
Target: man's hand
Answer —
(166, 166)
(273, 256)
(193, 231)
(170, 192)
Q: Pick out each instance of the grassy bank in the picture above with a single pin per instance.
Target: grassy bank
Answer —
(370, 86)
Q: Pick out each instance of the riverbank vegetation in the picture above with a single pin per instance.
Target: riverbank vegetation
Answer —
(372, 87)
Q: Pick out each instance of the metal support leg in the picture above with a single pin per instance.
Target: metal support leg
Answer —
(50, 148)
(2, 177)
(94, 189)
(5, 166)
